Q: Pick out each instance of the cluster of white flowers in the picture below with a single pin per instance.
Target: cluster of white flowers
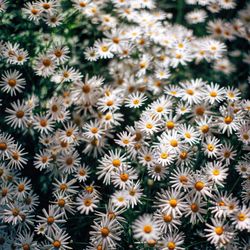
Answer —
(113, 118)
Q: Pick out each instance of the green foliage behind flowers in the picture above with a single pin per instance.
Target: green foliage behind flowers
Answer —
(124, 124)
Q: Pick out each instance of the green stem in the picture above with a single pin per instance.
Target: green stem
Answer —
(236, 182)
(180, 7)
(196, 243)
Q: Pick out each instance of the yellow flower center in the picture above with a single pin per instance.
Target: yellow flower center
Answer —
(170, 125)
(204, 129)
(213, 93)
(189, 91)
(183, 179)
(194, 208)
(57, 244)
(124, 177)
(199, 185)
(147, 229)
(216, 172)
(94, 130)
(173, 202)
(164, 155)
(167, 217)
(104, 48)
(12, 82)
(210, 147)
(171, 245)
(116, 163)
(174, 143)
(228, 119)
(61, 202)
(50, 220)
(159, 109)
(3, 146)
(149, 125)
(219, 230)
(19, 114)
(87, 202)
(241, 217)
(136, 101)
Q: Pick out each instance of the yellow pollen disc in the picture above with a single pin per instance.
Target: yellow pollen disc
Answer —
(227, 154)
(104, 48)
(216, 172)
(46, 62)
(183, 155)
(204, 129)
(125, 141)
(174, 143)
(89, 189)
(26, 246)
(108, 117)
(210, 147)
(63, 186)
(164, 155)
(213, 93)
(3, 146)
(200, 111)
(173, 202)
(213, 48)
(241, 217)
(87, 202)
(105, 231)
(147, 158)
(187, 135)
(120, 199)
(157, 169)
(178, 56)
(199, 185)
(167, 217)
(46, 6)
(19, 114)
(50, 220)
(228, 119)
(149, 125)
(94, 130)
(171, 245)
(21, 187)
(183, 179)
(219, 230)
(124, 177)
(61, 202)
(15, 212)
(180, 45)
(86, 88)
(56, 243)
(110, 103)
(159, 109)
(116, 163)
(151, 243)
(116, 40)
(230, 94)
(12, 82)
(142, 65)
(194, 207)
(43, 123)
(170, 125)
(245, 136)
(189, 91)
(136, 101)
(147, 229)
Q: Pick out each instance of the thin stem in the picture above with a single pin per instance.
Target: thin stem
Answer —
(236, 182)
(180, 7)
